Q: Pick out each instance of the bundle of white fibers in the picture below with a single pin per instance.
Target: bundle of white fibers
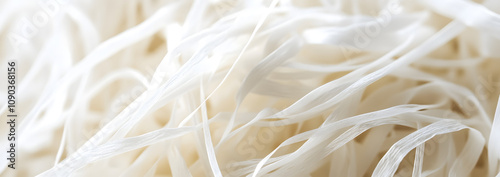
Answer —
(252, 87)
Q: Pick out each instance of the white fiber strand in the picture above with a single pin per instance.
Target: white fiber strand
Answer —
(195, 88)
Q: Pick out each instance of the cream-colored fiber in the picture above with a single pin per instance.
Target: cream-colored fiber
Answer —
(253, 88)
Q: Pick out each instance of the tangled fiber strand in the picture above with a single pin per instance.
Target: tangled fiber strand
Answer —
(254, 88)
